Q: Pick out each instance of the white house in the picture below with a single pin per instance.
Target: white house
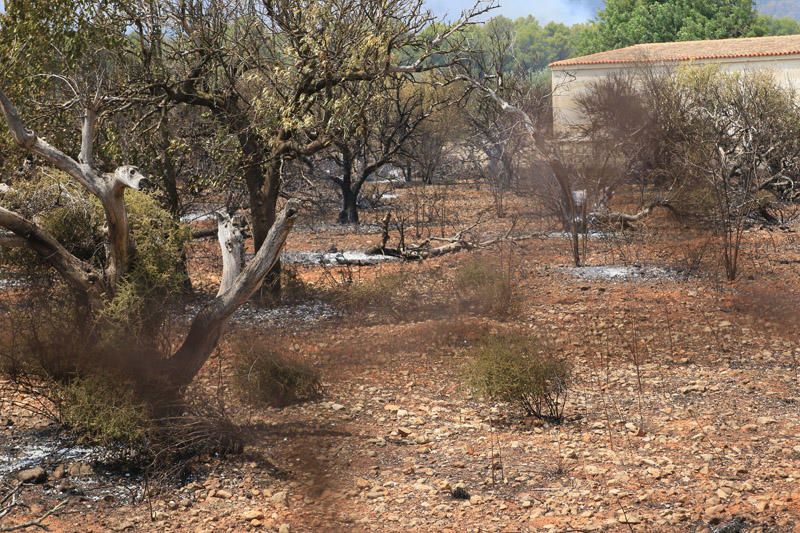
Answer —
(572, 76)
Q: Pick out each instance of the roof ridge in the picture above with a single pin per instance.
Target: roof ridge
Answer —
(736, 47)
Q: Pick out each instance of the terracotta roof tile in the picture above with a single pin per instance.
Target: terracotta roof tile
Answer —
(692, 50)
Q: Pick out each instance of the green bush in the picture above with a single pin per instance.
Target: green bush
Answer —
(100, 410)
(520, 370)
(487, 286)
(269, 377)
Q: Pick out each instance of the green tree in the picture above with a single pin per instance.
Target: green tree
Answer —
(628, 22)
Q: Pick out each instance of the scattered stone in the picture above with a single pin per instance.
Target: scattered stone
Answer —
(80, 470)
(58, 472)
(122, 526)
(628, 518)
(281, 498)
(253, 514)
(223, 494)
(285, 528)
(32, 475)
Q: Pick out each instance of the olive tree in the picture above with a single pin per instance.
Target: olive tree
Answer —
(96, 287)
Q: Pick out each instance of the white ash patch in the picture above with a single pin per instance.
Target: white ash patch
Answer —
(9, 280)
(303, 313)
(21, 453)
(188, 218)
(335, 258)
(623, 273)
(588, 235)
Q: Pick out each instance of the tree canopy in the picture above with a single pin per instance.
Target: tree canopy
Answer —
(627, 22)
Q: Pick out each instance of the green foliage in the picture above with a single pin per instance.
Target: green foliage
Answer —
(520, 370)
(628, 22)
(157, 274)
(100, 410)
(76, 220)
(778, 25)
(267, 376)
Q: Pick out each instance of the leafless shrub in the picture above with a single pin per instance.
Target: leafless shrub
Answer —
(268, 376)
(488, 285)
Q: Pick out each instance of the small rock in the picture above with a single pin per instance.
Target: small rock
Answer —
(337, 407)
(628, 518)
(280, 498)
(223, 494)
(362, 483)
(253, 514)
(285, 528)
(32, 475)
(59, 472)
(80, 470)
(442, 484)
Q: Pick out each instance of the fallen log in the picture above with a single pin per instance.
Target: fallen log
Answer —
(623, 220)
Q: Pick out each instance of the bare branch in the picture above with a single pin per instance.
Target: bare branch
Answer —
(28, 140)
(78, 274)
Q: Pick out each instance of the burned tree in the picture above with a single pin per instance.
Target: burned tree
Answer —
(269, 71)
(386, 121)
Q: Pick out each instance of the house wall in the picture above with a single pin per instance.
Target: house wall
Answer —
(571, 81)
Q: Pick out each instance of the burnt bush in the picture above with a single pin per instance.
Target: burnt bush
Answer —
(267, 376)
(520, 370)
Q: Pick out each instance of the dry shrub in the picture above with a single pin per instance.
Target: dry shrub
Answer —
(386, 292)
(267, 376)
(520, 370)
(487, 286)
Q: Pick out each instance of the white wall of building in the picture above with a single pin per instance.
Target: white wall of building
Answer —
(571, 81)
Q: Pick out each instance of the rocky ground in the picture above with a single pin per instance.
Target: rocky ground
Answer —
(683, 414)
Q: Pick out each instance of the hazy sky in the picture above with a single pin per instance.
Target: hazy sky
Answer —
(567, 11)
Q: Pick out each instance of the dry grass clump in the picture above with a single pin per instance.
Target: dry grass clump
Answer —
(267, 376)
(487, 286)
(520, 370)
(389, 292)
